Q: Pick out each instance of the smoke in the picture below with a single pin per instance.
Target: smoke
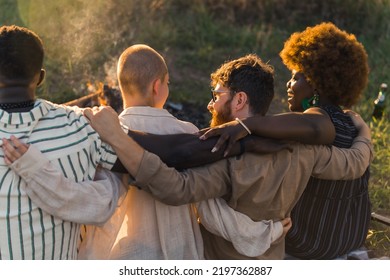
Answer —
(81, 37)
(71, 29)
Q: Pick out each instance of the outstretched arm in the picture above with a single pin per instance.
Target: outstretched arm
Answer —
(178, 150)
(89, 202)
(311, 127)
(187, 150)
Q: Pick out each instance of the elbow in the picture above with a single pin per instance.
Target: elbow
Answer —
(322, 135)
(318, 128)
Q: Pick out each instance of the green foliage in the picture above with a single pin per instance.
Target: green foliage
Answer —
(380, 167)
(9, 13)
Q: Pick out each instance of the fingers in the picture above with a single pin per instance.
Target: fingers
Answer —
(88, 113)
(13, 149)
(286, 221)
(220, 142)
(356, 119)
(19, 146)
(287, 224)
(202, 131)
(354, 116)
(209, 132)
(229, 147)
(350, 112)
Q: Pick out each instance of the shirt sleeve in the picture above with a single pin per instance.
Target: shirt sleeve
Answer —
(177, 188)
(103, 153)
(248, 237)
(88, 202)
(108, 156)
(343, 164)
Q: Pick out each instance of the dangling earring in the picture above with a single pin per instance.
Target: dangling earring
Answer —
(316, 99)
(311, 102)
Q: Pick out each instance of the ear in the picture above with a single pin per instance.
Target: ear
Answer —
(241, 100)
(41, 77)
(156, 86)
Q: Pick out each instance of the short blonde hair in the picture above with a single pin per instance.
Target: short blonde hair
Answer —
(138, 66)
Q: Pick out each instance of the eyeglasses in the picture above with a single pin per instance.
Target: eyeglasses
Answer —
(215, 92)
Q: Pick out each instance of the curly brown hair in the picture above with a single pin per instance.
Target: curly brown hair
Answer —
(251, 75)
(332, 60)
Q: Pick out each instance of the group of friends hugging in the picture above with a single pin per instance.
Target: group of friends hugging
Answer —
(85, 183)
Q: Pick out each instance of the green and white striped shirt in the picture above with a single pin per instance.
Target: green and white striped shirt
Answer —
(64, 136)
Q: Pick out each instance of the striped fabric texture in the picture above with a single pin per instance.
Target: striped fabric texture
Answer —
(332, 217)
(66, 138)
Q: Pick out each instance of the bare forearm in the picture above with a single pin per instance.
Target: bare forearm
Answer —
(305, 128)
(181, 150)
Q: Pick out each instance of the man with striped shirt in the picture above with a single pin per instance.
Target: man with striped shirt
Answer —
(65, 137)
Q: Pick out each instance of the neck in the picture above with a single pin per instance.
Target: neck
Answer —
(242, 115)
(325, 101)
(136, 104)
(16, 94)
(137, 100)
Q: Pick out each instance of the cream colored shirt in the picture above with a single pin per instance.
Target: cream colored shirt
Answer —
(151, 229)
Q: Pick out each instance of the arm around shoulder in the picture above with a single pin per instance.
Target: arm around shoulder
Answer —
(334, 163)
(89, 202)
(311, 127)
(177, 188)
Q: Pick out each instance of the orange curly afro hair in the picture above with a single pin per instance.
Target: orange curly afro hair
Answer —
(332, 60)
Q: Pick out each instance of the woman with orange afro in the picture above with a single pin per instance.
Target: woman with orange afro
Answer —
(329, 73)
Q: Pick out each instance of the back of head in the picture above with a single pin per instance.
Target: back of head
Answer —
(332, 60)
(138, 66)
(250, 75)
(21, 53)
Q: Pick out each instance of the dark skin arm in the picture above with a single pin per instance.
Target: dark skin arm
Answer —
(187, 150)
(310, 127)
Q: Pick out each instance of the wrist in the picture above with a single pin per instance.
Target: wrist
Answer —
(243, 125)
(29, 163)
